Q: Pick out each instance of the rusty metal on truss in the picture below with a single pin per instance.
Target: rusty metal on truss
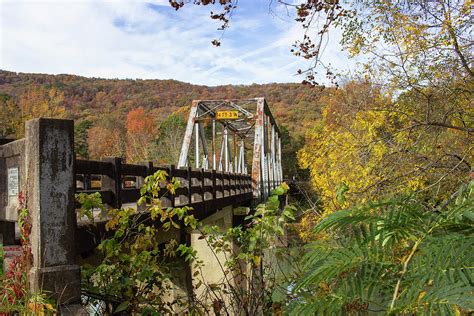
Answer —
(225, 135)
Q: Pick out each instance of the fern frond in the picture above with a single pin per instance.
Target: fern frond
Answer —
(398, 256)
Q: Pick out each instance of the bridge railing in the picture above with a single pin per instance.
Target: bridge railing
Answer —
(204, 190)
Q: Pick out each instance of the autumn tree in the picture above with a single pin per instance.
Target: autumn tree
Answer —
(421, 134)
(413, 45)
(140, 130)
(107, 138)
(35, 102)
(81, 131)
(422, 51)
(363, 149)
(170, 138)
(40, 102)
(8, 116)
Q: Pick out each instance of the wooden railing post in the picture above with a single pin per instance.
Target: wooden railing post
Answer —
(113, 182)
(190, 184)
(172, 196)
(214, 189)
(229, 183)
(241, 188)
(149, 168)
(221, 175)
(86, 180)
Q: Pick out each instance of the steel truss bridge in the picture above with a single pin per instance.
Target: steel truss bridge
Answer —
(235, 136)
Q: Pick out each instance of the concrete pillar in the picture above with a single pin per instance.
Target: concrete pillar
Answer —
(213, 263)
(50, 200)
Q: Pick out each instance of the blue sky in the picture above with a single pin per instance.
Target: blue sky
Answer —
(150, 40)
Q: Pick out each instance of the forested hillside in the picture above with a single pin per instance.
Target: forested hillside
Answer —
(293, 104)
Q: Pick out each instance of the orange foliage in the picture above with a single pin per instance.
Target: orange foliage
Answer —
(139, 123)
(104, 142)
(140, 134)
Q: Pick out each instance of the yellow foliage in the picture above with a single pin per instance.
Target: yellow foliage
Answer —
(347, 149)
(369, 143)
(41, 309)
(40, 102)
(34, 103)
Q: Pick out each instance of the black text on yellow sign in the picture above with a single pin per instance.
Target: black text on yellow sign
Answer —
(227, 115)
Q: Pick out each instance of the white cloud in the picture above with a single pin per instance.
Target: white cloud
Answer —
(144, 39)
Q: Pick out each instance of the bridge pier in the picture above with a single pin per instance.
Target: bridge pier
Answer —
(191, 282)
(212, 261)
(213, 270)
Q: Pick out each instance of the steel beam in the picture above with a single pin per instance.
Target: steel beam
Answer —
(257, 173)
(183, 156)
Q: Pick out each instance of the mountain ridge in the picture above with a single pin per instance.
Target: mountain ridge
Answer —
(294, 105)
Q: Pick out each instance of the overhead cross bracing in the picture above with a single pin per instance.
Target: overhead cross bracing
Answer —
(234, 136)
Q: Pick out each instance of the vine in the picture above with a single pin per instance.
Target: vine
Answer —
(15, 296)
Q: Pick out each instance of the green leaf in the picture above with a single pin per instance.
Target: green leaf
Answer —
(278, 295)
(340, 192)
(278, 191)
(166, 226)
(122, 307)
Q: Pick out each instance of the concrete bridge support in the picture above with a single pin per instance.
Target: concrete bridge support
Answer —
(213, 269)
(213, 262)
(40, 168)
(49, 153)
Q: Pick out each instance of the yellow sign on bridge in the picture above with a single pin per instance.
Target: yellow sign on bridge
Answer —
(227, 115)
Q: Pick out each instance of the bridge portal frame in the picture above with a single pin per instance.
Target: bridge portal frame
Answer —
(255, 126)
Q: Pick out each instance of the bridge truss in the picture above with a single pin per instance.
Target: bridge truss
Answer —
(234, 136)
